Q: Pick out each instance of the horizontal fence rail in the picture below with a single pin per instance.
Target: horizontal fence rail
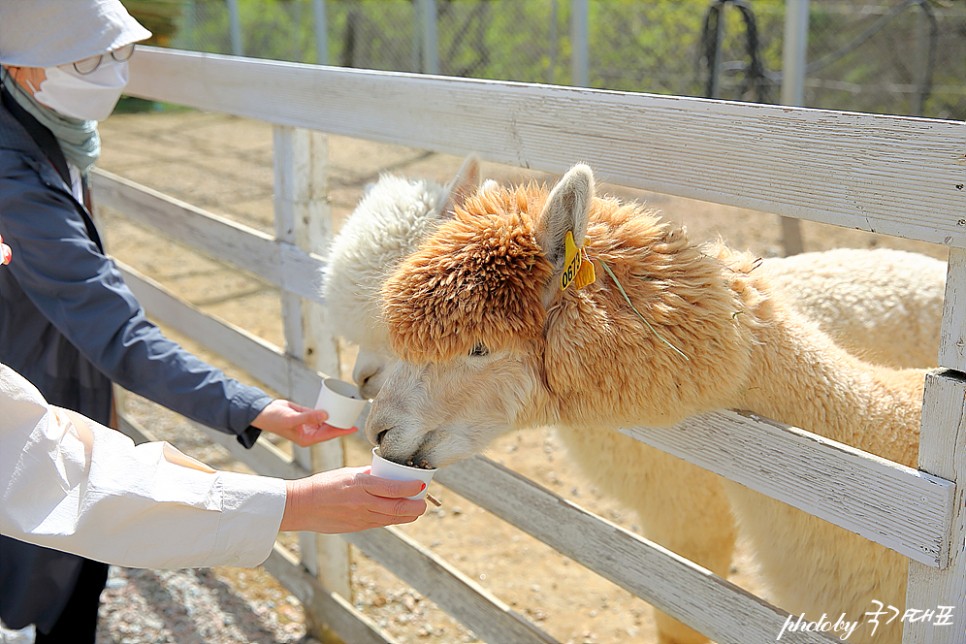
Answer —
(896, 506)
(277, 262)
(895, 175)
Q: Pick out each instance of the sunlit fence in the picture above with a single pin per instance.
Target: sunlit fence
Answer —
(894, 175)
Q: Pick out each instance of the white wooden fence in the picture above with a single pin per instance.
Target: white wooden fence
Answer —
(892, 175)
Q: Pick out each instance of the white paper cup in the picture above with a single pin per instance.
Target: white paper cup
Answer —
(342, 401)
(396, 472)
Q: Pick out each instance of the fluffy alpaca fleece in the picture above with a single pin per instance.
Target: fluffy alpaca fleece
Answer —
(882, 305)
(388, 223)
(490, 342)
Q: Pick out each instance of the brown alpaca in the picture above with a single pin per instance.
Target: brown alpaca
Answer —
(490, 343)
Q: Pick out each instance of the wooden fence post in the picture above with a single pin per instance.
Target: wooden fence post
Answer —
(303, 218)
(794, 58)
(942, 451)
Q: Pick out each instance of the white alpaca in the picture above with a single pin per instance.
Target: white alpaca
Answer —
(491, 343)
(882, 304)
(388, 223)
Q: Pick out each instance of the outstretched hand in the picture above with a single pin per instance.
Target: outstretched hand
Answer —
(349, 499)
(303, 426)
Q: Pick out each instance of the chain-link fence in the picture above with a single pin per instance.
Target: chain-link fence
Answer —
(891, 56)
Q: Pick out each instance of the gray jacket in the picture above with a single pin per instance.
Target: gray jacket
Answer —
(70, 325)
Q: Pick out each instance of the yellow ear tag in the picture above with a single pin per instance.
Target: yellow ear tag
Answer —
(578, 269)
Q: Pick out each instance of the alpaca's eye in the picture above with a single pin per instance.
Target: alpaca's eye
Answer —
(479, 350)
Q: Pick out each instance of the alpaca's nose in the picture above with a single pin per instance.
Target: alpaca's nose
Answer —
(369, 387)
(368, 373)
(376, 429)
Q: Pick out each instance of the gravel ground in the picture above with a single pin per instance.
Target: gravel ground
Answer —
(201, 606)
(194, 607)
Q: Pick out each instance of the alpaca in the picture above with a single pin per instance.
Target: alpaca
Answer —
(884, 305)
(490, 342)
(394, 215)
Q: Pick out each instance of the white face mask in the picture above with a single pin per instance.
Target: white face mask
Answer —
(84, 96)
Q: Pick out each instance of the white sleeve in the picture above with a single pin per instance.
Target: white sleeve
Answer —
(70, 484)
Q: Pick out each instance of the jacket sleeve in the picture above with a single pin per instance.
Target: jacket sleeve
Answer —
(81, 292)
(70, 484)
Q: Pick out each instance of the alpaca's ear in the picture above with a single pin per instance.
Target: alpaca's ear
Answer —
(567, 210)
(462, 186)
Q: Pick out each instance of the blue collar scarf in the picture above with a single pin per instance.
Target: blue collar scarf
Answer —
(78, 139)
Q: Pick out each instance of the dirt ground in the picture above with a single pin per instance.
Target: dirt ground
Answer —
(224, 165)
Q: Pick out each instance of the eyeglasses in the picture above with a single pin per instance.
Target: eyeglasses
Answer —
(91, 63)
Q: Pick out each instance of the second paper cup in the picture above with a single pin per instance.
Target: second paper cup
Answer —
(342, 401)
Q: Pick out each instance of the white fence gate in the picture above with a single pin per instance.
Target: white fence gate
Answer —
(892, 175)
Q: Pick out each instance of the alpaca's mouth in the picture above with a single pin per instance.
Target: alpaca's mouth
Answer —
(414, 461)
(417, 460)
(422, 464)
(418, 457)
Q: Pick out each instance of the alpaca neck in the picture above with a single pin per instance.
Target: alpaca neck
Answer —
(801, 378)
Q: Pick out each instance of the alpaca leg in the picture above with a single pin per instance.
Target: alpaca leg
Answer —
(812, 567)
(681, 506)
(688, 514)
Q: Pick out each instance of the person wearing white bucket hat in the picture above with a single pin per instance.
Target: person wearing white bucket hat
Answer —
(68, 322)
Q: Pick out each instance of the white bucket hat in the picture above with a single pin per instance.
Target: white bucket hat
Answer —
(47, 33)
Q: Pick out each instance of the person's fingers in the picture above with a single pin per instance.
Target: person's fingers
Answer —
(311, 433)
(399, 509)
(334, 432)
(308, 416)
(310, 420)
(296, 414)
(400, 520)
(300, 408)
(390, 489)
(382, 520)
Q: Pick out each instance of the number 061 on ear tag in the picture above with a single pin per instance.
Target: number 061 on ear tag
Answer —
(578, 269)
